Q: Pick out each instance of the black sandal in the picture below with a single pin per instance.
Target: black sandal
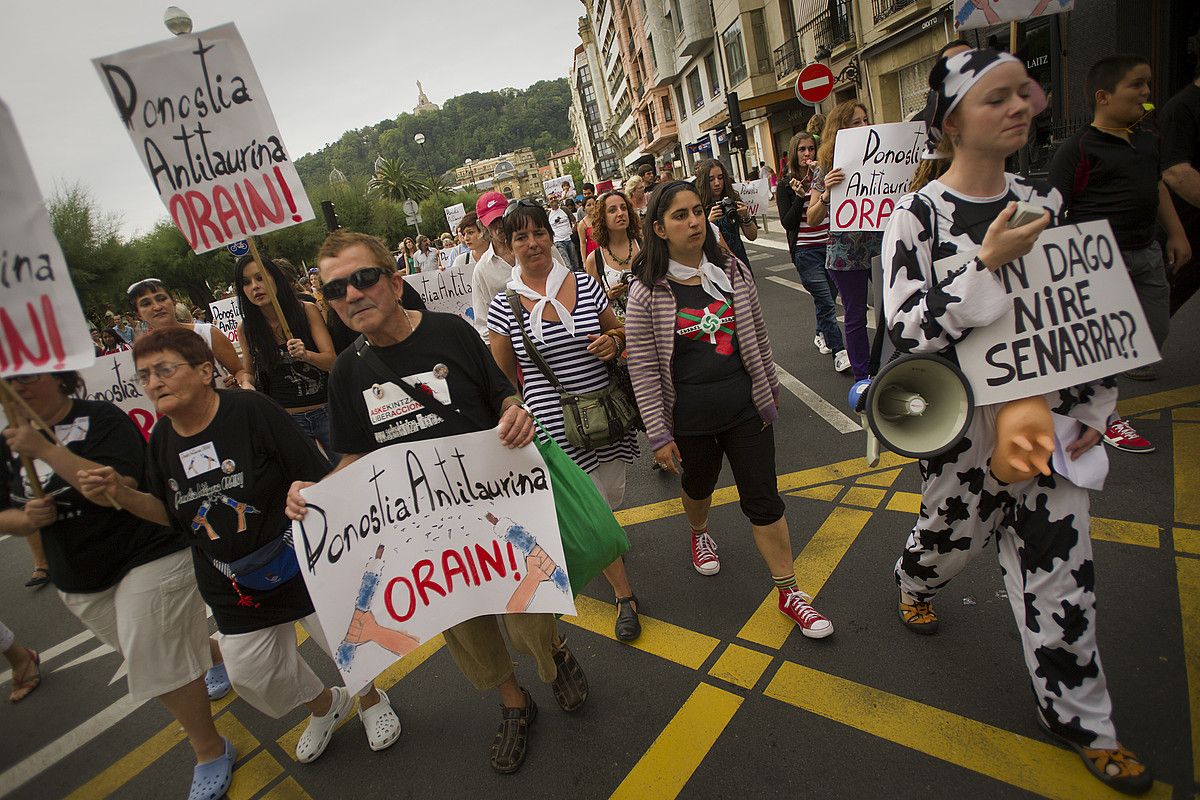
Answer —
(36, 580)
(512, 739)
(570, 685)
(628, 627)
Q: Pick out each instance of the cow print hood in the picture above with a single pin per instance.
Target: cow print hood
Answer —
(949, 81)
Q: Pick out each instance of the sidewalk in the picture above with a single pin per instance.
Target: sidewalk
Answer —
(770, 234)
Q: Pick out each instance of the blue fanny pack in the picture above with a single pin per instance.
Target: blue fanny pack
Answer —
(268, 567)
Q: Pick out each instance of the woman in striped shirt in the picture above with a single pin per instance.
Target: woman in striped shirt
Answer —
(807, 245)
(574, 329)
(705, 382)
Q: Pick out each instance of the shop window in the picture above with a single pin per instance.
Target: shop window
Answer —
(714, 75)
(680, 103)
(695, 89)
(735, 53)
(914, 86)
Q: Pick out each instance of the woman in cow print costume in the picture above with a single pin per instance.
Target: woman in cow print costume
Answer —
(981, 115)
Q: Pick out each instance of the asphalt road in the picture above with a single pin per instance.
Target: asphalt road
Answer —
(720, 699)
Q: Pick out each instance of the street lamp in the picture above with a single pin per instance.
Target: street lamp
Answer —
(177, 20)
(419, 138)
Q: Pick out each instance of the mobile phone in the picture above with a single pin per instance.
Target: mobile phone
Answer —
(1025, 213)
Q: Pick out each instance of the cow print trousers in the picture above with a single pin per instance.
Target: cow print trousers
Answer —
(1041, 528)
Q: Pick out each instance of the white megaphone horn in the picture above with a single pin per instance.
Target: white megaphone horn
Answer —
(918, 406)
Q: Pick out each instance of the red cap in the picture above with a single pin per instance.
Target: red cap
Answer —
(489, 206)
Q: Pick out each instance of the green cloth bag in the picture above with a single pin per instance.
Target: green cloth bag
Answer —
(591, 536)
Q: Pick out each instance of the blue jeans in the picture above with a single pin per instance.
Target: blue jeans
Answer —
(570, 254)
(315, 424)
(810, 263)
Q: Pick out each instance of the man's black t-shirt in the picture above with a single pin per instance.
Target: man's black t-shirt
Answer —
(1102, 176)
(713, 389)
(443, 357)
(90, 548)
(1179, 122)
(225, 488)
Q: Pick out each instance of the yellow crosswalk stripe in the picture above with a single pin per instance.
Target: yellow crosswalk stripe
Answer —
(287, 789)
(826, 491)
(814, 565)
(1159, 400)
(662, 639)
(1186, 444)
(908, 502)
(250, 778)
(1190, 414)
(1005, 756)
(883, 480)
(863, 496)
(740, 666)
(1188, 572)
(1122, 531)
(666, 767)
(1186, 540)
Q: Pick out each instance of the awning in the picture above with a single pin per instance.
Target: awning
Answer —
(809, 10)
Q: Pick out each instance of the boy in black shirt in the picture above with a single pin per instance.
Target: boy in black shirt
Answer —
(1110, 170)
(442, 356)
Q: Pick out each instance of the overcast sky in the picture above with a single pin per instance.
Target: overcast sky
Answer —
(326, 67)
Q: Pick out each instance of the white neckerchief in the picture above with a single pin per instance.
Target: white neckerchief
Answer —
(712, 278)
(558, 274)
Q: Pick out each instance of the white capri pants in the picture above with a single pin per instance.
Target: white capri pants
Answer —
(154, 617)
(6, 638)
(609, 477)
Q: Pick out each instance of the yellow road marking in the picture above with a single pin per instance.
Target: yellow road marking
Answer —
(881, 479)
(826, 491)
(740, 666)
(1188, 571)
(1125, 532)
(1186, 540)
(863, 496)
(1191, 414)
(788, 482)
(386, 680)
(250, 778)
(662, 639)
(243, 740)
(666, 767)
(1187, 474)
(287, 789)
(814, 565)
(130, 765)
(1009, 757)
(908, 502)
(1159, 401)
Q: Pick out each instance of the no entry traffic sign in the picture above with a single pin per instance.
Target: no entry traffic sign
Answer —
(814, 83)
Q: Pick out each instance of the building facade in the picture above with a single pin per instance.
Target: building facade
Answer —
(515, 175)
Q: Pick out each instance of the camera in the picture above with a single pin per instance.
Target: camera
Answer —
(729, 207)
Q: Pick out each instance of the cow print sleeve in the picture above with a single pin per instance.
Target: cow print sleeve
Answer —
(928, 312)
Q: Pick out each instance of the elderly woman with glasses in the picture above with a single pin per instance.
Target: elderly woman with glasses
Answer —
(218, 469)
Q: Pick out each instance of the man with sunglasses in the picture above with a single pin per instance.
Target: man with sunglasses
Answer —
(441, 354)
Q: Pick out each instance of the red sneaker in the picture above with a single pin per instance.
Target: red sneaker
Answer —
(704, 554)
(795, 604)
(1122, 436)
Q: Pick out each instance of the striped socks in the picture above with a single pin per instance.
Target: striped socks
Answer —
(785, 584)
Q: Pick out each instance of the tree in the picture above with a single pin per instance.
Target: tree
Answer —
(395, 180)
(91, 243)
(575, 170)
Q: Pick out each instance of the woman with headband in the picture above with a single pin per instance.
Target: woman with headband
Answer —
(980, 115)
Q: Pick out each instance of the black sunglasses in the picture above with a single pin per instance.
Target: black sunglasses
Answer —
(360, 279)
(513, 205)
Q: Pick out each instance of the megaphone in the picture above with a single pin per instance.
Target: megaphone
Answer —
(918, 406)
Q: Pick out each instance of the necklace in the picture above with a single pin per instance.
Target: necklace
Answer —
(626, 259)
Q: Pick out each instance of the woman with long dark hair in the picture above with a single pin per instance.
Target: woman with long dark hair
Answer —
(732, 218)
(705, 382)
(293, 371)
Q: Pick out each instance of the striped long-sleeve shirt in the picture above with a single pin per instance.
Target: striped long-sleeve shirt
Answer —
(650, 332)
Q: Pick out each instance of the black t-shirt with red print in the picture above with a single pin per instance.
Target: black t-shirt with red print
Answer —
(713, 387)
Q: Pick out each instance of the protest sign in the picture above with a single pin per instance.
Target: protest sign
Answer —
(417, 537)
(454, 215)
(559, 188)
(878, 162)
(227, 316)
(1073, 318)
(113, 379)
(756, 195)
(41, 323)
(982, 13)
(447, 290)
(202, 127)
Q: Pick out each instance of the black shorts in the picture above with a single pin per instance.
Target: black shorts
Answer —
(750, 448)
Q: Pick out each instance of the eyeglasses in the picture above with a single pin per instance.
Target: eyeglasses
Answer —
(161, 371)
(360, 279)
(25, 380)
(513, 205)
(133, 287)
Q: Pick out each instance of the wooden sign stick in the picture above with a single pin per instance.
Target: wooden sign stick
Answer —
(6, 400)
(287, 333)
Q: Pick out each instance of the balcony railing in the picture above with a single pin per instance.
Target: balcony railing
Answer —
(833, 29)
(788, 58)
(885, 8)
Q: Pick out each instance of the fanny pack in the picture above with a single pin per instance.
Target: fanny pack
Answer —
(268, 567)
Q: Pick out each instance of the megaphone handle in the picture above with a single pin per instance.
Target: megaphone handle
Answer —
(872, 442)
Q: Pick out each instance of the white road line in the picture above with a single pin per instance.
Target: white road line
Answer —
(91, 655)
(5, 536)
(799, 287)
(823, 408)
(764, 242)
(780, 268)
(51, 652)
(25, 771)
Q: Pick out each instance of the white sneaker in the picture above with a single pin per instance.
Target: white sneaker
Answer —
(316, 736)
(841, 361)
(380, 722)
(822, 348)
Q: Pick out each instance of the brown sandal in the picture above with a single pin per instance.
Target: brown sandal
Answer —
(24, 684)
(918, 617)
(1118, 768)
(512, 739)
(570, 685)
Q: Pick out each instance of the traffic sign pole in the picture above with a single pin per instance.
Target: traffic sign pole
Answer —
(270, 284)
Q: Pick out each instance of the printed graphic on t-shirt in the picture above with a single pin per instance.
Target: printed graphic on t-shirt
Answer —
(389, 403)
(713, 324)
(199, 460)
(74, 431)
(306, 379)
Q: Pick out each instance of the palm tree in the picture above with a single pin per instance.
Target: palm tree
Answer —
(396, 181)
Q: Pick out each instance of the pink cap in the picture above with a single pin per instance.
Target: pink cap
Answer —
(489, 206)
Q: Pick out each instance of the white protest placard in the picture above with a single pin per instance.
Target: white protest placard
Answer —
(113, 379)
(227, 316)
(756, 195)
(448, 290)
(415, 538)
(878, 162)
(454, 215)
(982, 13)
(42, 327)
(202, 127)
(559, 188)
(1074, 318)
